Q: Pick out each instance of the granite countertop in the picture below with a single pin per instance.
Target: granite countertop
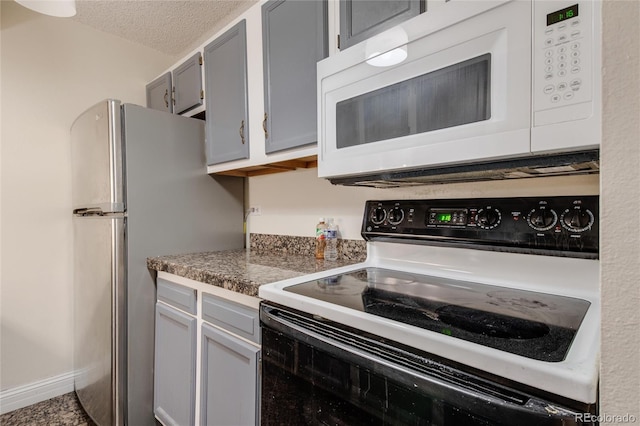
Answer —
(243, 271)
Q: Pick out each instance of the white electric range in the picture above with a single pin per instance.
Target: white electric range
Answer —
(501, 294)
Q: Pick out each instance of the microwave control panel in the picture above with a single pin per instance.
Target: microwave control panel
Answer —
(548, 225)
(563, 39)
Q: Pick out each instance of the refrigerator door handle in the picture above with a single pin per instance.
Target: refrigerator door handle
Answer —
(90, 211)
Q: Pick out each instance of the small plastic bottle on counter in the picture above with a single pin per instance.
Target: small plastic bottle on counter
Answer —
(321, 227)
(331, 241)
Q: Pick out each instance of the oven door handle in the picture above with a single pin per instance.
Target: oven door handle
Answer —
(467, 392)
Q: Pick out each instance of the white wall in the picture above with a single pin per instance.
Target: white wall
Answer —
(292, 202)
(620, 213)
(52, 69)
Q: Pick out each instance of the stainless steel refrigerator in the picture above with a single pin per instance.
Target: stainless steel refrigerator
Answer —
(139, 189)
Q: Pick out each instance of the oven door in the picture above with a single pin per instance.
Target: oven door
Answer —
(462, 93)
(314, 373)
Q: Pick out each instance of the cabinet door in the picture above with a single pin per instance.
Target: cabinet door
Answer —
(361, 19)
(294, 39)
(175, 367)
(159, 93)
(229, 374)
(225, 68)
(187, 85)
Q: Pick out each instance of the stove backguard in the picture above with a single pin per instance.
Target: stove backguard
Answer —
(557, 226)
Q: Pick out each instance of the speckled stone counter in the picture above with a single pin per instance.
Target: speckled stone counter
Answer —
(63, 410)
(244, 271)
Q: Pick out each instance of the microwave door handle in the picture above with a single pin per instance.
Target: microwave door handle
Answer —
(502, 408)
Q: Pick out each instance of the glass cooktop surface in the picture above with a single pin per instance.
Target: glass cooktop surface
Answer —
(534, 325)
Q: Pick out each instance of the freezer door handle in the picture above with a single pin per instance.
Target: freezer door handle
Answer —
(90, 211)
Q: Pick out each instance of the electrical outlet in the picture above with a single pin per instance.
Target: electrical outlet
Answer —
(255, 210)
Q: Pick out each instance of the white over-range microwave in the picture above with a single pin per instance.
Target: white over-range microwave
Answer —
(466, 89)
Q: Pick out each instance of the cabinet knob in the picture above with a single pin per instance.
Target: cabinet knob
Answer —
(242, 132)
(264, 127)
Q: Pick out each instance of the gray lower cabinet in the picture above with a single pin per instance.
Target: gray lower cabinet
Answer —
(294, 39)
(227, 122)
(159, 93)
(229, 375)
(361, 19)
(216, 342)
(176, 295)
(175, 366)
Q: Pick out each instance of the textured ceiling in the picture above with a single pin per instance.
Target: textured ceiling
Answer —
(170, 26)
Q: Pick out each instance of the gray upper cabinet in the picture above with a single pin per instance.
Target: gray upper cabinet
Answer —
(225, 67)
(361, 19)
(294, 39)
(187, 85)
(159, 93)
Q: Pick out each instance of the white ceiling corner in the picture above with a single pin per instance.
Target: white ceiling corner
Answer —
(170, 26)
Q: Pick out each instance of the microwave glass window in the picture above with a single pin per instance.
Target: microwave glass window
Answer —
(386, 113)
(452, 96)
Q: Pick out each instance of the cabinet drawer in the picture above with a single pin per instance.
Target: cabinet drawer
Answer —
(181, 297)
(233, 317)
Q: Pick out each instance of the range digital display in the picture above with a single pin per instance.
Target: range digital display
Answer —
(443, 217)
(562, 15)
(447, 217)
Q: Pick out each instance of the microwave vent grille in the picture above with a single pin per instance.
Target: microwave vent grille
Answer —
(579, 163)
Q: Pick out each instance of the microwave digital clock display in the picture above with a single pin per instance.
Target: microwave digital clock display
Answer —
(562, 15)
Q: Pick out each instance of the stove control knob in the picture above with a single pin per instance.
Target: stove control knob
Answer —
(396, 215)
(488, 218)
(378, 215)
(577, 220)
(542, 219)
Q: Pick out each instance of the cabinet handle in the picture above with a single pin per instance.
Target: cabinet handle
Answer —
(264, 127)
(173, 96)
(242, 132)
(166, 98)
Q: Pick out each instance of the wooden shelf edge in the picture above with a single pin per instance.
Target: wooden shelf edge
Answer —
(308, 162)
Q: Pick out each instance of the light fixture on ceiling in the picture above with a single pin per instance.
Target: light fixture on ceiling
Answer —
(59, 8)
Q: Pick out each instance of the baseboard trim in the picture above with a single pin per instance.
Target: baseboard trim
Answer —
(23, 396)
